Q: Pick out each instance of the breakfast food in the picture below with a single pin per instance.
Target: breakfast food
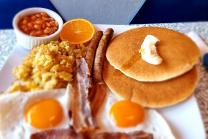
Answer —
(81, 112)
(22, 114)
(77, 31)
(131, 118)
(84, 95)
(109, 117)
(47, 66)
(98, 91)
(71, 134)
(150, 122)
(151, 94)
(100, 55)
(100, 98)
(179, 54)
(149, 52)
(91, 50)
(82, 120)
(38, 24)
(154, 67)
(121, 110)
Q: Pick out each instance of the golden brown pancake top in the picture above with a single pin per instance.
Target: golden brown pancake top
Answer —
(179, 54)
(151, 94)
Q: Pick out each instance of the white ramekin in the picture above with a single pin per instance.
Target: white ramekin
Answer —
(28, 41)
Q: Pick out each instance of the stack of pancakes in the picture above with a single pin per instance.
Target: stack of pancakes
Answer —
(130, 77)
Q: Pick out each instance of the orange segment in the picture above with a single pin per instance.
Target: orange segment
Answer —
(77, 31)
(126, 113)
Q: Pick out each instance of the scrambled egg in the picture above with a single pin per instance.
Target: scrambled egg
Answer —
(47, 66)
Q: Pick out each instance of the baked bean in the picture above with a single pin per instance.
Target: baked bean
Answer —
(30, 25)
(38, 24)
(45, 18)
(52, 23)
(44, 14)
(38, 21)
(24, 22)
(47, 30)
(43, 26)
(26, 29)
(38, 15)
(51, 19)
(54, 29)
(23, 26)
(39, 32)
(48, 24)
(26, 18)
(33, 17)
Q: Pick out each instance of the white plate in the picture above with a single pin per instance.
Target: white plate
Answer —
(184, 119)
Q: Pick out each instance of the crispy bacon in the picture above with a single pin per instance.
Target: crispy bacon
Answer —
(71, 134)
(79, 104)
(57, 134)
(118, 135)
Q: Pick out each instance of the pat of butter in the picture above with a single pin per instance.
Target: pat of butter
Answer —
(149, 52)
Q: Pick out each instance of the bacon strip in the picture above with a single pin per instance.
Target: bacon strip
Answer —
(91, 49)
(71, 134)
(98, 93)
(57, 134)
(79, 104)
(118, 135)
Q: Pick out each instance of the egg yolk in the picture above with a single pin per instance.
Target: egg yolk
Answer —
(126, 113)
(46, 113)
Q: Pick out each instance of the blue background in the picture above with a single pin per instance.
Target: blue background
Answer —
(160, 11)
(153, 11)
(8, 8)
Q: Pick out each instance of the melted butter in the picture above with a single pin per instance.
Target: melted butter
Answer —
(148, 50)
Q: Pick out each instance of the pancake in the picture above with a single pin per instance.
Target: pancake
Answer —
(151, 94)
(179, 54)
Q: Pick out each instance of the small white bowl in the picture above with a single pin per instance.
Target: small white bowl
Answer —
(28, 41)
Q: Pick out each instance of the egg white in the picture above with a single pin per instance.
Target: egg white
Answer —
(153, 122)
(12, 108)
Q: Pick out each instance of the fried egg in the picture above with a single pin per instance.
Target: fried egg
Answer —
(116, 115)
(22, 114)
